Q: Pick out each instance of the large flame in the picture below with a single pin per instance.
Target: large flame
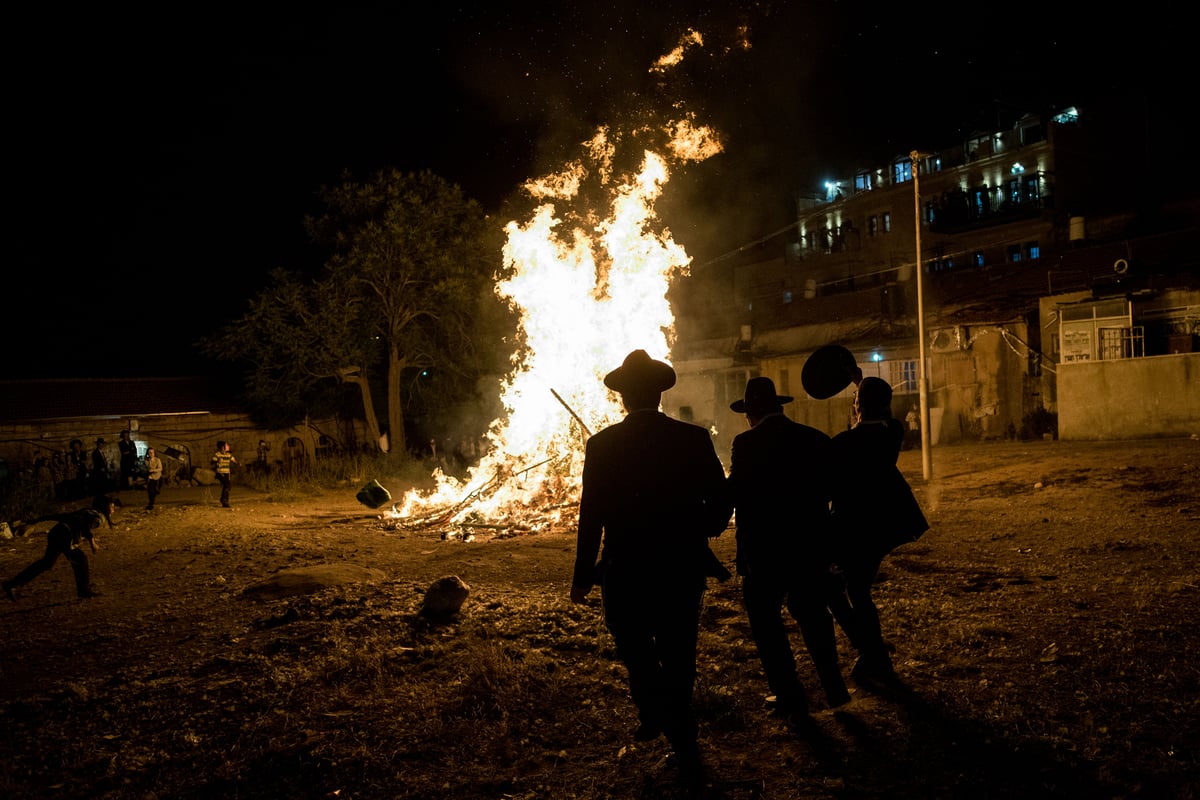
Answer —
(588, 293)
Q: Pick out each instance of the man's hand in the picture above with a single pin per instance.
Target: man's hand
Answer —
(579, 594)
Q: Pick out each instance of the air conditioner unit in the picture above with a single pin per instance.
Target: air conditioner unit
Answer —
(946, 340)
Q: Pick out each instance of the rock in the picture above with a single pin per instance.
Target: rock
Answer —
(444, 597)
(204, 476)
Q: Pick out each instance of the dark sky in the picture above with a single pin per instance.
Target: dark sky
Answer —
(161, 162)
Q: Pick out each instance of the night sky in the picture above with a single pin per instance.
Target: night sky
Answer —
(161, 162)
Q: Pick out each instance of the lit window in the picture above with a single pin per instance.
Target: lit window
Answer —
(862, 181)
(872, 225)
(1067, 115)
(1032, 250)
(1014, 253)
(902, 375)
(978, 258)
(903, 170)
(887, 222)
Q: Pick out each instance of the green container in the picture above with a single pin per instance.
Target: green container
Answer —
(373, 495)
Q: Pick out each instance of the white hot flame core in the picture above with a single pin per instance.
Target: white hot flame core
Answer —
(588, 295)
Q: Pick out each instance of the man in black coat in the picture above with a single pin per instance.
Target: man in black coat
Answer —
(653, 494)
(874, 511)
(779, 483)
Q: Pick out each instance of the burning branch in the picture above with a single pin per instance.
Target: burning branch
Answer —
(571, 411)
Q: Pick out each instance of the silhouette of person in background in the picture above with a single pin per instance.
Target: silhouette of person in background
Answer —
(778, 479)
(912, 437)
(77, 471)
(222, 464)
(874, 511)
(653, 494)
(154, 473)
(128, 460)
(99, 473)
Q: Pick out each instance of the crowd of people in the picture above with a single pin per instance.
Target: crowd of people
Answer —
(814, 515)
(72, 529)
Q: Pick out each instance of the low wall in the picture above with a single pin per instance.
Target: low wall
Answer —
(1129, 398)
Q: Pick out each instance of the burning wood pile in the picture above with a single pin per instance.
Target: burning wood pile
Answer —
(590, 285)
(551, 507)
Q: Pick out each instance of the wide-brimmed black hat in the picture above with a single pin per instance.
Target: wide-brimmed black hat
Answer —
(640, 373)
(760, 396)
(828, 370)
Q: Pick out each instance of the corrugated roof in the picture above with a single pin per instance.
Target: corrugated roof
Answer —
(81, 398)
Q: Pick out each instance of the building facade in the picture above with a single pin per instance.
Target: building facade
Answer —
(1001, 221)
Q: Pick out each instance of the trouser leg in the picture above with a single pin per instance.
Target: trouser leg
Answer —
(764, 608)
(654, 623)
(54, 549)
(860, 576)
(808, 606)
(79, 565)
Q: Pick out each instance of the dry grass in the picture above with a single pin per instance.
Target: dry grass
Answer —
(1047, 638)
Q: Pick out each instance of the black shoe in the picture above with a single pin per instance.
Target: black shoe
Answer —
(90, 593)
(692, 773)
(226, 505)
(647, 732)
(838, 699)
(873, 669)
(10, 591)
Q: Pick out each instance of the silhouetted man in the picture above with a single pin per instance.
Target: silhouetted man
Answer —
(778, 479)
(874, 511)
(654, 492)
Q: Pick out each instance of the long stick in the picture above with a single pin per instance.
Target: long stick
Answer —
(570, 411)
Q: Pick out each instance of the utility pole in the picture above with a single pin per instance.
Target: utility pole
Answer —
(923, 388)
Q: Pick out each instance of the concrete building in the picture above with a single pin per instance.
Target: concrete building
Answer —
(1011, 223)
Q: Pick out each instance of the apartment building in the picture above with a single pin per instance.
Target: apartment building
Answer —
(1002, 220)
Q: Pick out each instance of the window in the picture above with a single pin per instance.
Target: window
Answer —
(903, 375)
(903, 169)
(872, 225)
(862, 182)
(1032, 251)
(1032, 193)
(887, 222)
(978, 258)
(1014, 253)
(1012, 191)
(980, 201)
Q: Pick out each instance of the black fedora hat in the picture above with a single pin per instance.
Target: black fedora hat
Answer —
(828, 370)
(640, 373)
(760, 396)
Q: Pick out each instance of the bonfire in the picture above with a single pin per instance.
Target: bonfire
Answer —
(590, 286)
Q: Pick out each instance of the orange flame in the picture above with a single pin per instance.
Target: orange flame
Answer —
(588, 294)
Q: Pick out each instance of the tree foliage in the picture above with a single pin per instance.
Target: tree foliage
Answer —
(404, 294)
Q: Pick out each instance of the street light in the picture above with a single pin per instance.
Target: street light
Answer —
(923, 388)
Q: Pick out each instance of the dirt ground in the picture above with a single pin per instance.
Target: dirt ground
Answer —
(1046, 630)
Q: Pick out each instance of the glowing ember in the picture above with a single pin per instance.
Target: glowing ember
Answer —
(588, 293)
